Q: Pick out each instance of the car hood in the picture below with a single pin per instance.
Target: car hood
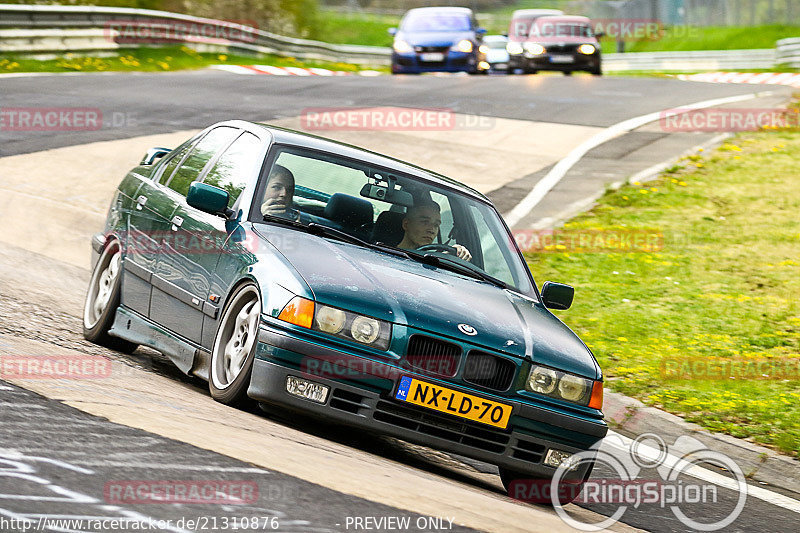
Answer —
(434, 38)
(425, 297)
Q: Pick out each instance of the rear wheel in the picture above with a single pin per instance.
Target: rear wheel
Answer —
(102, 300)
(235, 346)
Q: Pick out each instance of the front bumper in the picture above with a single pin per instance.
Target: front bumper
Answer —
(545, 62)
(363, 397)
(453, 62)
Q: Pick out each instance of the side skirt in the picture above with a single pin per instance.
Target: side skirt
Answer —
(133, 327)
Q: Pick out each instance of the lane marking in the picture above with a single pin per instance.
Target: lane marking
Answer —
(703, 474)
(557, 173)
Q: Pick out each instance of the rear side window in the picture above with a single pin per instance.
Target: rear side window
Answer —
(236, 166)
(214, 141)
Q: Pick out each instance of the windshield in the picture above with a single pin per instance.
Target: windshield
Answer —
(421, 21)
(384, 207)
(543, 28)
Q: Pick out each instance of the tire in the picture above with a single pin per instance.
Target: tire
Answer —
(597, 71)
(533, 486)
(234, 346)
(102, 300)
(567, 73)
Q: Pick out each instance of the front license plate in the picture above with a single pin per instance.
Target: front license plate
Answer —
(562, 59)
(453, 402)
(431, 56)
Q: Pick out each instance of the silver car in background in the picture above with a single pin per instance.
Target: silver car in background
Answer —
(494, 46)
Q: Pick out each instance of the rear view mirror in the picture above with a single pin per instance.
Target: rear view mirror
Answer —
(599, 35)
(384, 189)
(557, 295)
(208, 198)
(392, 31)
(154, 153)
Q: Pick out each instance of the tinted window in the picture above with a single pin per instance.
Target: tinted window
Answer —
(239, 162)
(214, 141)
(173, 161)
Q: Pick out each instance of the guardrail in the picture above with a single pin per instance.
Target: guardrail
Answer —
(48, 30)
(70, 20)
(788, 52)
(689, 61)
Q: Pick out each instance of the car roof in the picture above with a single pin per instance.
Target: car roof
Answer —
(465, 10)
(305, 140)
(564, 18)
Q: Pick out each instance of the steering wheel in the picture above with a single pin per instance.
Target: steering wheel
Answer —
(444, 248)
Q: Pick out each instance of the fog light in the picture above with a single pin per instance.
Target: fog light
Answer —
(556, 458)
(306, 389)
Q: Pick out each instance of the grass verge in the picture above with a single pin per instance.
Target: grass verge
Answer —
(155, 60)
(724, 288)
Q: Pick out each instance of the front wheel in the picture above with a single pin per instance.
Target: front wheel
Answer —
(235, 346)
(102, 300)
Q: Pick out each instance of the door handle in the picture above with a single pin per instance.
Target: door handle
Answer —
(176, 222)
(140, 201)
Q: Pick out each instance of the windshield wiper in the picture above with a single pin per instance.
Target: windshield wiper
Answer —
(456, 266)
(320, 229)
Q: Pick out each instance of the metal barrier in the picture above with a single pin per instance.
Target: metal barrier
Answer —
(70, 19)
(788, 53)
(691, 61)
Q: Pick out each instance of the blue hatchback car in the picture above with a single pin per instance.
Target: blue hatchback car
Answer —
(438, 39)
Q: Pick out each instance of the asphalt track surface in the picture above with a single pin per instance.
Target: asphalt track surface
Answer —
(57, 460)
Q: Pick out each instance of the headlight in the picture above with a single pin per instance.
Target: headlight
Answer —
(484, 49)
(464, 45)
(534, 48)
(402, 47)
(586, 49)
(564, 386)
(352, 326)
(514, 48)
(330, 320)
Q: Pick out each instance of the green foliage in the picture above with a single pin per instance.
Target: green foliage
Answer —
(723, 287)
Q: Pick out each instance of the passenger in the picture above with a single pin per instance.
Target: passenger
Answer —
(279, 194)
(421, 226)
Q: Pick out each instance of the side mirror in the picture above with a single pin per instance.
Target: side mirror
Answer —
(392, 31)
(599, 35)
(208, 198)
(154, 153)
(557, 295)
(481, 31)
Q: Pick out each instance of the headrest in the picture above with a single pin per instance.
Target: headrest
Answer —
(389, 228)
(349, 211)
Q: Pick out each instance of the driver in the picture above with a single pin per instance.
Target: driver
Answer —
(279, 194)
(421, 226)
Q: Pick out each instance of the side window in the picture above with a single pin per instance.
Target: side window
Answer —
(174, 161)
(240, 161)
(214, 141)
(494, 262)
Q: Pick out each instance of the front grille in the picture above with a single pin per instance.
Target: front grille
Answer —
(414, 419)
(433, 356)
(489, 371)
(561, 48)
